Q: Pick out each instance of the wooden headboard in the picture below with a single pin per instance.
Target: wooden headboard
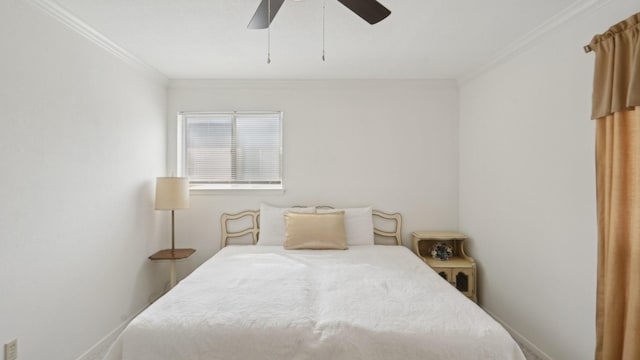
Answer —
(254, 226)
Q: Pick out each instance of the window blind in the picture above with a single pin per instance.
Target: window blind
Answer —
(233, 150)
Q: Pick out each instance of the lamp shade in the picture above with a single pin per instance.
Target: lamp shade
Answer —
(172, 193)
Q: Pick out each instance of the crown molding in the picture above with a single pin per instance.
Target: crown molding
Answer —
(524, 43)
(59, 13)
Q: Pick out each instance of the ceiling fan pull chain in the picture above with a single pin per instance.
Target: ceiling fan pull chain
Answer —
(268, 31)
(324, 3)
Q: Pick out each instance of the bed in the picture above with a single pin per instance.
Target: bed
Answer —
(268, 302)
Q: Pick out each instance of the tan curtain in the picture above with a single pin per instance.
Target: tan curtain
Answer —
(616, 108)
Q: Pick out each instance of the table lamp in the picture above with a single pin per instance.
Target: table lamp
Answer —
(172, 193)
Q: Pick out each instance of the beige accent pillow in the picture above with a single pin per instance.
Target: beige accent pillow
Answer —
(315, 231)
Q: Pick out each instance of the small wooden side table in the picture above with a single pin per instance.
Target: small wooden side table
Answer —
(172, 255)
(459, 269)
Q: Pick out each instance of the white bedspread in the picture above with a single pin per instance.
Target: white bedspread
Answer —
(264, 302)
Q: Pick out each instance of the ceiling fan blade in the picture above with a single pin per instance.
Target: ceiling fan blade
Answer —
(260, 19)
(370, 10)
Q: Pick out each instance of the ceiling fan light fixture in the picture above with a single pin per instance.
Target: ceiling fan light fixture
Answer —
(369, 10)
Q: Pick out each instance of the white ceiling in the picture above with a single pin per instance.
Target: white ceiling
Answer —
(209, 39)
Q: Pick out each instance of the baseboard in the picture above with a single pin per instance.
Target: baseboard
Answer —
(520, 339)
(99, 350)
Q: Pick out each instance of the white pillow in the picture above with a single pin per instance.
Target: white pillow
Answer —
(272, 225)
(358, 223)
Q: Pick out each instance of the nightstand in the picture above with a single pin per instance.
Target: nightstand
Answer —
(459, 269)
(173, 256)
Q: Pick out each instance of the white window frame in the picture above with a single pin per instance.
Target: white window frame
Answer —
(181, 153)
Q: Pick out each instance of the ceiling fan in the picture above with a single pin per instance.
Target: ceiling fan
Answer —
(370, 10)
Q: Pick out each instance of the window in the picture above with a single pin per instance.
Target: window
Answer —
(235, 150)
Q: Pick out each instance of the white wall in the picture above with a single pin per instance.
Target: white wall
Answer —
(527, 187)
(83, 136)
(391, 144)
